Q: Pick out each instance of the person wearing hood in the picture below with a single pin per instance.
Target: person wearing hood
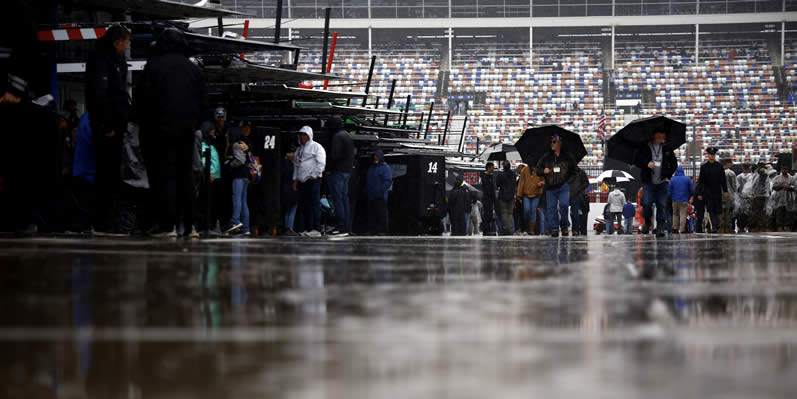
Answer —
(459, 204)
(558, 168)
(506, 184)
(713, 187)
(728, 203)
(680, 189)
(170, 98)
(783, 187)
(743, 197)
(108, 105)
(203, 219)
(378, 180)
(616, 203)
(488, 198)
(309, 162)
(759, 190)
(657, 162)
(341, 157)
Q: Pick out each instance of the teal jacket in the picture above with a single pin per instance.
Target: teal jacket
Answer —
(215, 168)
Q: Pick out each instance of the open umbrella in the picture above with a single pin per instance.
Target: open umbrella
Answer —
(500, 152)
(624, 144)
(535, 142)
(618, 176)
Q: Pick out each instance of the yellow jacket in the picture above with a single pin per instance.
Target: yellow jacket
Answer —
(530, 185)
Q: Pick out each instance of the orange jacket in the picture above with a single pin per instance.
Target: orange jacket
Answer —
(529, 185)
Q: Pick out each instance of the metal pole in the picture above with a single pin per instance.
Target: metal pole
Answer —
(445, 129)
(407, 110)
(331, 57)
(531, 47)
(450, 45)
(390, 99)
(429, 121)
(326, 39)
(782, 43)
(376, 106)
(420, 126)
(369, 37)
(220, 22)
(278, 22)
(462, 136)
(368, 82)
(612, 47)
(697, 43)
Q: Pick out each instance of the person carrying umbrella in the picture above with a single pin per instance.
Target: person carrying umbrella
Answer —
(557, 167)
(657, 162)
(713, 187)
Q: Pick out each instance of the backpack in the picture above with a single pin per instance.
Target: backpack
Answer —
(255, 169)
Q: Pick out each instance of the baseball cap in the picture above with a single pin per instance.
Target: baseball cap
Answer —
(220, 111)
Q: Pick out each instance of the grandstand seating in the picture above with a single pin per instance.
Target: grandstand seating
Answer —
(729, 98)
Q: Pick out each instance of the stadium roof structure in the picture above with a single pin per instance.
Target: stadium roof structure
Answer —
(158, 9)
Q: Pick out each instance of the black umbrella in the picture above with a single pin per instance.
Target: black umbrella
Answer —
(535, 142)
(625, 143)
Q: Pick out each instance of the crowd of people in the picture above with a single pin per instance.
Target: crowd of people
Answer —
(550, 198)
(164, 163)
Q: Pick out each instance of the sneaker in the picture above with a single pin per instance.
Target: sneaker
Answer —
(312, 233)
(234, 228)
(194, 233)
(660, 235)
(290, 233)
(165, 234)
(337, 233)
(555, 234)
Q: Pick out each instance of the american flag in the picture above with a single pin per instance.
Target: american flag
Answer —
(602, 126)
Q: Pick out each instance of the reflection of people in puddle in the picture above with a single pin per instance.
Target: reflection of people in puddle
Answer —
(208, 284)
(82, 309)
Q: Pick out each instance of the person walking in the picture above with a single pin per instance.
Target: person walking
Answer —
(578, 184)
(308, 167)
(475, 217)
(378, 180)
(783, 187)
(557, 167)
(529, 190)
(760, 191)
(629, 211)
(108, 105)
(170, 98)
(341, 156)
(681, 190)
(616, 203)
(657, 162)
(729, 201)
(459, 207)
(713, 187)
(488, 198)
(505, 185)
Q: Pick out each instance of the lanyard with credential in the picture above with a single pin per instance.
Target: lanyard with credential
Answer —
(656, 154)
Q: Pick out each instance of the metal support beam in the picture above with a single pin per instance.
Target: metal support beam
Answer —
(462, 136)
(368, 82)
(390, 99)
(429, 121)
(697, 43)
(782, 43)
(613, 55)
(407, 110)
(220, 22)
(445, 129)
(278, 22)
(326, 40)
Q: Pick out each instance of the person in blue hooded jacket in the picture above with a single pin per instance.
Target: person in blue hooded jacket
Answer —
(681, 191)
(377, 184)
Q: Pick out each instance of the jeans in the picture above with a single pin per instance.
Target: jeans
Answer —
(655, 193)
(290, 217)
(613, 217)
(530, 209)
(467, 223)
(558, 197)
(240, 209)
(575, 218)
(541, 220)
(310, 205)
(629, 225)
(339, 191)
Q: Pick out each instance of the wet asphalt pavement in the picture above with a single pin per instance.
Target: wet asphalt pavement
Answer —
(427, 317)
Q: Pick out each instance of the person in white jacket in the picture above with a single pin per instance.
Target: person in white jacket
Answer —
(308, 166)
(616, 203)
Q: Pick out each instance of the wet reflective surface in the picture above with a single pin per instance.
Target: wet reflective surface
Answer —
(614, 317)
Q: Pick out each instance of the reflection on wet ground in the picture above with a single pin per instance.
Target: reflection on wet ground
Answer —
(614, 317)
